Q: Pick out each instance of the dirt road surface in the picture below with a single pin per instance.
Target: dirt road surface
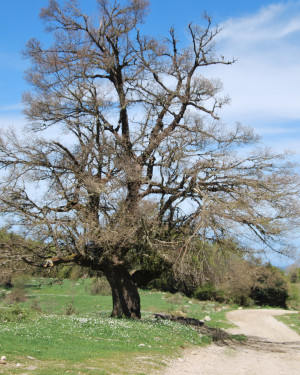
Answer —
(272, 349)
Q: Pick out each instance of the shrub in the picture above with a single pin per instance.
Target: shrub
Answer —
(17, 295)
(70, 309)
(237, 282)
(100, 286)
(169, 282)
(247, 283)
(176, 299)
(270, 287)
(77, 272)
(35, 306)
(20, 281)
(5, 280)
(208, 292)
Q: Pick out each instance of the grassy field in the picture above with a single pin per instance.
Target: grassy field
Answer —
(291, 320)
(62, 328)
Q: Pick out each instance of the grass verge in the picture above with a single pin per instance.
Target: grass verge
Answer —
(291, 320)
(62, 328)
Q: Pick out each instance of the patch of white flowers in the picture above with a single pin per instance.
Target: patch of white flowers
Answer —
(148, 332)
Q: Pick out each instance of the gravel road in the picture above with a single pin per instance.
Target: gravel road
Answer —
(272, 349)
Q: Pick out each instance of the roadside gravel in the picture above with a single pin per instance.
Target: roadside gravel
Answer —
(272, 349)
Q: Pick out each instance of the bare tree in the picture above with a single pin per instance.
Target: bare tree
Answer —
(125, 153)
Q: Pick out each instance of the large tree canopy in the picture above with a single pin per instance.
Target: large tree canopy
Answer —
(124, 152)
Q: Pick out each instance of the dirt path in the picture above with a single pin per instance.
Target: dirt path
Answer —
(272, 349)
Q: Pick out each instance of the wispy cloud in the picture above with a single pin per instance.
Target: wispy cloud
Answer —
(271, 23)
(280, 130)
(264, 83)
(12, 107)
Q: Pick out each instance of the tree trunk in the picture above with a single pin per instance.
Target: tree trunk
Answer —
(126, 299)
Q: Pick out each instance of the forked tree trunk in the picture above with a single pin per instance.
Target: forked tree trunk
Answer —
(126, 299)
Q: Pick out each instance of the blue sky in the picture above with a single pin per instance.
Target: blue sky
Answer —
(263, 35)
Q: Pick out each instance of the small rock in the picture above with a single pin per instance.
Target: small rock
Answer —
(190, 302)
(240, 308)
(3, 360)
(18, 365)
(30, 357)
(207, 318)
(142, 345)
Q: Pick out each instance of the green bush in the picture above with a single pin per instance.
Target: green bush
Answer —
(241, 300)
(168, 282)
(270, 287)
(208, 292)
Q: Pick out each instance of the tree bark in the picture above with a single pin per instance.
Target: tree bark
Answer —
(126, 299)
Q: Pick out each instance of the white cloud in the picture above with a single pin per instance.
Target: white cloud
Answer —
(269, 24)
(264, 83)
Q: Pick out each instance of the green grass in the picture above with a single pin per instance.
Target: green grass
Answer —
(69, 292)
(89, 341)
(41, 336)
(291, 320)
(155, 302)
(74, 339)
(294, 296)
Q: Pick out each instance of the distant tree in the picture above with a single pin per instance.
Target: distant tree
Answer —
(13, 248)
(124, 154)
